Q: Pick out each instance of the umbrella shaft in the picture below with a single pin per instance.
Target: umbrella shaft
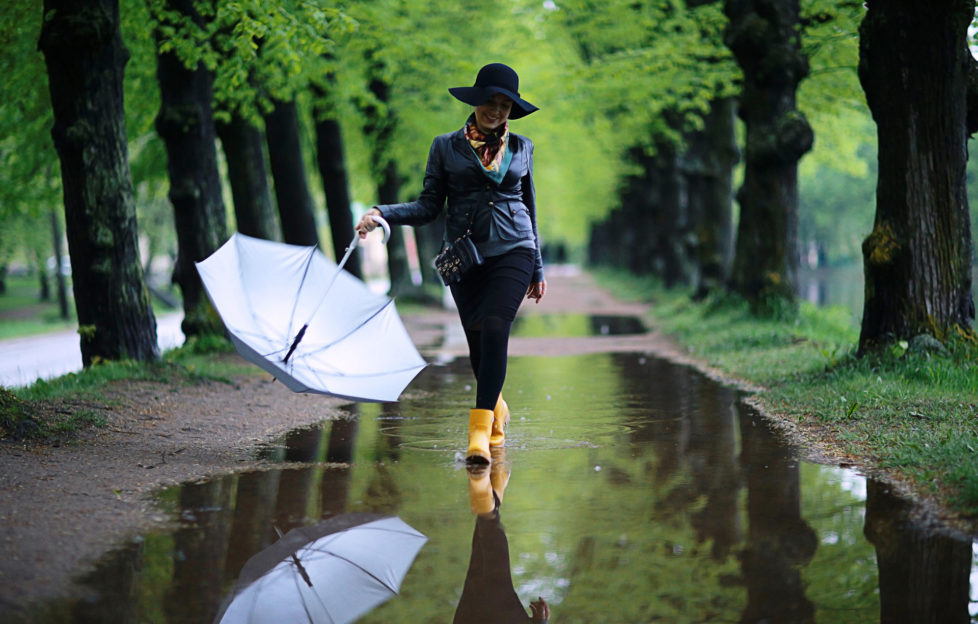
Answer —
(295, 343)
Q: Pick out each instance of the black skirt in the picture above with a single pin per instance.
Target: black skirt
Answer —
(495, 288)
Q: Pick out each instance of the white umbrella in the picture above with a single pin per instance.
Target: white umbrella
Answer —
(312, 325)
(329, 573)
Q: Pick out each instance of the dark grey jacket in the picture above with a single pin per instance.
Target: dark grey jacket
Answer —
(503, 215)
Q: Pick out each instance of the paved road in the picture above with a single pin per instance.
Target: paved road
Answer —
(25, 360)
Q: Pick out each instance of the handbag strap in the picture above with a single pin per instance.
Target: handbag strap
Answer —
(468, 228)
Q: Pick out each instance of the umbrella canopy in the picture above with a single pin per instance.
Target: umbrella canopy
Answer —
(329, 573)
(313, 326)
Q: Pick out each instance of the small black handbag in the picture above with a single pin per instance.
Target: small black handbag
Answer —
(457, 257)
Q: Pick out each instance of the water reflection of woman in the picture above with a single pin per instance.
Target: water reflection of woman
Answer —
(488, 596)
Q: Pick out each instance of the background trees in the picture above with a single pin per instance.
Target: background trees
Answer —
(636, 147)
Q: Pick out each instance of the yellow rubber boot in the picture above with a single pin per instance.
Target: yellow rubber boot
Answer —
(499, 473)
(480, 423)
(480, 491)
(500, 418)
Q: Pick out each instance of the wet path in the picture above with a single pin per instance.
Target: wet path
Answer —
(633, 491)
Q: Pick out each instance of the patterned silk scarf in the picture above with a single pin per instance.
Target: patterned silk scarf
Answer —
(490, 148)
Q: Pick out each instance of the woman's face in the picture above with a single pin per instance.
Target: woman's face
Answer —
(493, 113)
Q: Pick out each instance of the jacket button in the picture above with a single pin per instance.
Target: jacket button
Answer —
(492, 204)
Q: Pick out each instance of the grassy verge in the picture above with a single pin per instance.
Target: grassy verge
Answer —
(60, 408)
(911, 413)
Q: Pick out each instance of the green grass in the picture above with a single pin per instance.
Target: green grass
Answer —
(912, 414)
(65, 406)
(22, 313)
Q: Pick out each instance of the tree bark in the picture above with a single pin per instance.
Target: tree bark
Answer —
(763, 36)
(295, 207)
(186, 125)
(243, 146)
(332, 170)
(708, 165)
(914, 66)
(86, 59)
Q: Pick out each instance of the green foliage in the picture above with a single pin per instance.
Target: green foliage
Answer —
(652, 67)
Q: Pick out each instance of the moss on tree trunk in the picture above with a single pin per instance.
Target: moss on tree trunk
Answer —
(85, 57)
(914, 67)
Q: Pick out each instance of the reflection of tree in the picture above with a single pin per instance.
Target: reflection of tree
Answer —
(712, 458)
(696, 435)
(254, 509)
(924, 576)
(779, 540)
(334, 489)
(200, 550)
(116, 581)
(297, 487)
(383, 494)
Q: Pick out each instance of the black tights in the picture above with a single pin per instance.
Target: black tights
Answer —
(488, 348)
(487, 300)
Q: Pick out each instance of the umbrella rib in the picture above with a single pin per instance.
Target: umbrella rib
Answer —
(295, 304)
(362, 569)
(312, 619)
(351, 331)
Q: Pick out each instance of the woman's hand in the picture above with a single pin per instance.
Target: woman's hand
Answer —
(539, 611)
(537, 290)
(367, 223)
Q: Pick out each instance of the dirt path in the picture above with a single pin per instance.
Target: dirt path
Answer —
(62, 507)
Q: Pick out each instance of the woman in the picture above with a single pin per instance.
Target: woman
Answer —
(486, 174)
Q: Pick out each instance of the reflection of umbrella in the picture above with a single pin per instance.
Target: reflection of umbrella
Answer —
(329, 573)
(273, 300)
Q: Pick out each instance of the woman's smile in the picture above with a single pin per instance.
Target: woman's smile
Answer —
(493, 113)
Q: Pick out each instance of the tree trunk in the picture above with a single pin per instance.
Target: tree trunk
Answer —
(186, 125)
(43, 283)
(672, 231)
(708, 165)
(763, 36)
(243, 146)
(923, 575)
(913, 66)
(59, 276)
(398, 268)
(428, 240)
(380, 127)
(295, 207)
(85, 56)
(332, 169)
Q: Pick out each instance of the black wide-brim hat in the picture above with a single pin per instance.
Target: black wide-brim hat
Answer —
(492, 79)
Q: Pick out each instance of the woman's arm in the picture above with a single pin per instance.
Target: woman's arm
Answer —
(431, 201)
(538, 285)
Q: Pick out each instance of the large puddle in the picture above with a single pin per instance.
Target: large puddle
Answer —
(634, 491)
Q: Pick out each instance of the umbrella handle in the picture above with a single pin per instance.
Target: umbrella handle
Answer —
(384, 224)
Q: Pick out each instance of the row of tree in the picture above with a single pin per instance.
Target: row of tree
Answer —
(675, 218)
(644, 95)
